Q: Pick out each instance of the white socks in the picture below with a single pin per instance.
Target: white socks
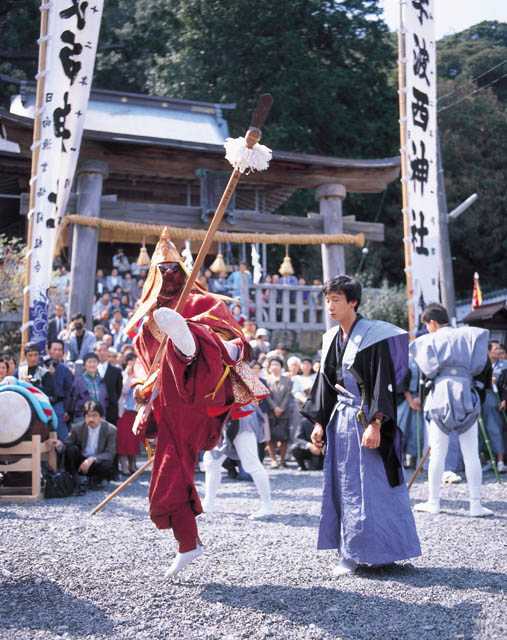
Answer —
(432, 506)
(344, 568)
(175, 327)
(182, 560)
(478, 511)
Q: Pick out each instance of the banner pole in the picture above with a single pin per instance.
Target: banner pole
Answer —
(39, 100)
(402, 96)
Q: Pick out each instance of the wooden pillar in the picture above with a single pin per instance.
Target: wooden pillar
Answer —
(90, 177)
(330, 197)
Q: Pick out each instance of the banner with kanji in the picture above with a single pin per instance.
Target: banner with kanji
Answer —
(71, 40)
(418, 27)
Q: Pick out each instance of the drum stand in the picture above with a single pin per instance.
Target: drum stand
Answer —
(32, 451)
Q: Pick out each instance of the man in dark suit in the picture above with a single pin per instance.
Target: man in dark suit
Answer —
(304, 451)
(91, 446)
(112, 378)
(56, 324)
(62, 386)
(81, 340)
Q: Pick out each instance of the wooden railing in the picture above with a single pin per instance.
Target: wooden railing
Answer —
(279, 306)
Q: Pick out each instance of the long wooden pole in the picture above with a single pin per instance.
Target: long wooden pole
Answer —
(39, 101)
(123, 485)
(402, 96)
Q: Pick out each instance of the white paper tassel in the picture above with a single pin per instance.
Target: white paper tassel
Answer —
(241, 157)
(256, 264)
(187, 255)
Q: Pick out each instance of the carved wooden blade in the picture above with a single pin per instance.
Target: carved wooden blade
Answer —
(262, 110)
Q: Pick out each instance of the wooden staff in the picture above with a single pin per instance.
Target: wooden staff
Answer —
(252, 136)
(419, 468)
(39, 101)
(122, 486)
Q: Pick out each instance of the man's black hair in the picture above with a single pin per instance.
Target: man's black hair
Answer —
(492, 343)
(93, 405)
(79, 316)
(90, 356)
(60, 342)
(31, 346)
(436, 312)
(349, 286)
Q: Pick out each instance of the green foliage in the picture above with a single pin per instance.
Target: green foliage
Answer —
(12, 252)
(388, 303)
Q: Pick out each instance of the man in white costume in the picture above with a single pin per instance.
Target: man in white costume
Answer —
(450, 358)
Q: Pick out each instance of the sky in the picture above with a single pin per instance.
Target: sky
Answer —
(452, 16)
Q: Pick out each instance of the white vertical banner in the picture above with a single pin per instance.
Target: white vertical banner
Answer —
(418, 27)
(73, 31)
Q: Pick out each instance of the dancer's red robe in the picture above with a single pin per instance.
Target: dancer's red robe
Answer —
(190, 390)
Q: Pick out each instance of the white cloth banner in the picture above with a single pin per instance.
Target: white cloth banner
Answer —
(421, 148)
(73, 31)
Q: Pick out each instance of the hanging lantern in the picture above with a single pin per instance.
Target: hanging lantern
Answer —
(218, 265)
(143, 260)
(286, 268)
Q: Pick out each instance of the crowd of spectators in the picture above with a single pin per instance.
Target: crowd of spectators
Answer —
(96, 365)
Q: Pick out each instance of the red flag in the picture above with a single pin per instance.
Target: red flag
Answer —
(477, 294)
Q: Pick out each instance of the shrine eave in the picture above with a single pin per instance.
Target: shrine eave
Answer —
(181, 158)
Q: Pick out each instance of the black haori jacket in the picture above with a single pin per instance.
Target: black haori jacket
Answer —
(376, 354)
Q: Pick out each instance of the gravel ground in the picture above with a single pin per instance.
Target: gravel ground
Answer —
(75, 576)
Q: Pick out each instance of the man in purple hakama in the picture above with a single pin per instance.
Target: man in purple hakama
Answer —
(366, 511)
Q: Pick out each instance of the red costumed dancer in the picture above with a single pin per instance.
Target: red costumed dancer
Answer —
(198, 388)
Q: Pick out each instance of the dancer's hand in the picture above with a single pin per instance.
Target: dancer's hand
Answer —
(314, 450)
(415, 404)
(317, 436)
(371, 437)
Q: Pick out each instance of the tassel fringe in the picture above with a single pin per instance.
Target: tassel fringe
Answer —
(244, 159)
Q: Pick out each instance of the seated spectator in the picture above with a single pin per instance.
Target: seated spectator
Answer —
(279, 401)
(128, 283)
(304, 451)
(121, 262)
(34, 372)
(102, 304)
(237, 315)
(115, 305)
(260, 344)
(112, 378)
(4, 368)
(280, 351)
(125, 304)
(128, 442)
(62, 386)
(11, 364)
(114, 280)
(117, 331)
(302, 383)
(100, 282)
(118, 317)
(81, 341)
(90, 448)
(113, 357)
(99, 331)
(108, 340)
(88, 386)
(249, 329)
(219, 285)
(57, 324)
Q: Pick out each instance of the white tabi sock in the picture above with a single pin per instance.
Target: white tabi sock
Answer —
(478, 511)
(183, 559)
(432, 506)
(175, 327)
(344, 568)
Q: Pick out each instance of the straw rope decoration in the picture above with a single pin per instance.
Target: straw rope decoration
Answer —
(118, 231)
